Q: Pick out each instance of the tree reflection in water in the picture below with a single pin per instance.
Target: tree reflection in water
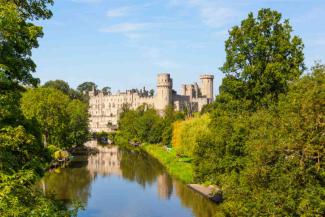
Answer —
(69, 184)
(74, 183)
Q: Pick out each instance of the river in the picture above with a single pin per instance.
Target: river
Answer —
(118, 182)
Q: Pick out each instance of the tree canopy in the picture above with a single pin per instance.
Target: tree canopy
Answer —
(64, 122)
(58, 84)
(262, 57)
(86, 86)
(18, 37)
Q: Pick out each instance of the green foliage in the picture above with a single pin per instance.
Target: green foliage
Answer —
(33, 9)
(78, 122)
(48, 107)
(17, 148)
(269, 162)
(266, 147)
(65, 88)
(63, 122)
(106, 90)
(261, 58)
(187, 133)
(86, 87)
(145, 125)
(22, 155)
(18, 38)
(59, 85)
(18, 198)
(10, 113)
(170, 117)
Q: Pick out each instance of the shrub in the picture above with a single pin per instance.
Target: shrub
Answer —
(187, 133)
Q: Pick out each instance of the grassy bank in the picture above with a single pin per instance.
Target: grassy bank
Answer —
(178, 167)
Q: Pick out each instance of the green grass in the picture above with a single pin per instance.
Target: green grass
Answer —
(179, 167)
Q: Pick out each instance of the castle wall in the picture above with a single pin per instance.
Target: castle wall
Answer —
(104, 110)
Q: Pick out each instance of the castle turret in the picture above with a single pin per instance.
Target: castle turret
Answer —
(164, 91)
(207, 86)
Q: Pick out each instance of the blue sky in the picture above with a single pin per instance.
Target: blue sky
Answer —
(124, 44)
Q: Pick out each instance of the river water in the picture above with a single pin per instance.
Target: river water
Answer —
(124, 183)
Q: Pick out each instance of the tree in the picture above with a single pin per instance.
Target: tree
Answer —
(65, 88)
(48, 107)
(58, 84)
(152, 92)
(262, 57)
(18, 37)
(86, 87)
(106, 90)
(78, 122)
(63, 122)
(33, 9)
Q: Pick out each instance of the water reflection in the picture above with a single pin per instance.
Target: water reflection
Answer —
(164, 186)
(70, 184)
(105, 163)
(120, 182)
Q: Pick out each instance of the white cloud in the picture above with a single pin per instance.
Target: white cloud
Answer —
(125, 28)
(215, 16)
(119, 12)
(212, 13)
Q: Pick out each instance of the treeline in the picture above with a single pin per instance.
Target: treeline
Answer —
(263, 138)
(31, 117)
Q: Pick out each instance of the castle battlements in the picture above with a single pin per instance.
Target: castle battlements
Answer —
(105, 108)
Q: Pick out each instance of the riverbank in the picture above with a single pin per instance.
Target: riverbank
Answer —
(178, 167)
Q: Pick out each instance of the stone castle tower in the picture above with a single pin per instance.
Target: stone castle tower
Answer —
(164, 91)
(207, 86)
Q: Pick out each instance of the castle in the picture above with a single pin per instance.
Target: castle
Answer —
(104, 108)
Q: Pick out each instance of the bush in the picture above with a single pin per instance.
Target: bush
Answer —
(187, 133)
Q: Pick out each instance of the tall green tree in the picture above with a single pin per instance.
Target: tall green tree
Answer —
(262, 57)
(63, 121)
(48, 107)
(18, 37)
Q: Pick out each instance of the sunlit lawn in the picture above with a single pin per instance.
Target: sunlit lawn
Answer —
(179, 167)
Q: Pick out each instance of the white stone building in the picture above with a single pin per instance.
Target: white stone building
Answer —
(104, 109)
